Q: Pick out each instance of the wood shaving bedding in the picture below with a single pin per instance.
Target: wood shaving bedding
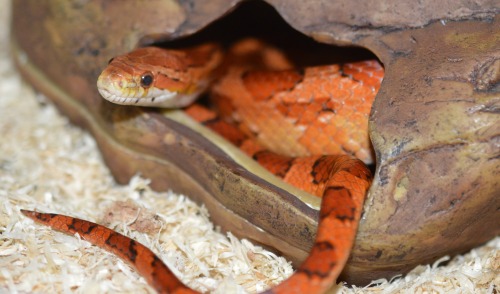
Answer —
(49, 165)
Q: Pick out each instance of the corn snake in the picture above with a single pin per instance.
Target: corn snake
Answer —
(341, 180)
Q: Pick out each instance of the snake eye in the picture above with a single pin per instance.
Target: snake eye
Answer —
(147, 80)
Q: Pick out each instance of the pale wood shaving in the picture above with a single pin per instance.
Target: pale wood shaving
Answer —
(49, 165)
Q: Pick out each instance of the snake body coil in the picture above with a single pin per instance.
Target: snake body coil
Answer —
(305, 126)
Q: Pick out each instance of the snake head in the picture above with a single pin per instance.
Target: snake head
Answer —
(153, 76)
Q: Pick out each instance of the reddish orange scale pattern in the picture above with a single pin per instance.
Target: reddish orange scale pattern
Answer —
(200, 113)
(325, 110)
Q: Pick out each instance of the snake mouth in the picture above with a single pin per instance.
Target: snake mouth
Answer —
(151, 97)
(114, 98)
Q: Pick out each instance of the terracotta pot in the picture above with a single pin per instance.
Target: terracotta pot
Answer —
(434, 124)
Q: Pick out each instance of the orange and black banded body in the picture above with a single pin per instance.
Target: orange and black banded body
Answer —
(339, 216)
(137, 255)
(308, 127)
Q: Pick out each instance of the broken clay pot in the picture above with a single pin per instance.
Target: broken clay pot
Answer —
(434, 124)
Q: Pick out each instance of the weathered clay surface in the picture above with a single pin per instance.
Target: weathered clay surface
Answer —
(435, 129)
(349, 21)
(434, 125)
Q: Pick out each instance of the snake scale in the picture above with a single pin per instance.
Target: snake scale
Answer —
(309, 127)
